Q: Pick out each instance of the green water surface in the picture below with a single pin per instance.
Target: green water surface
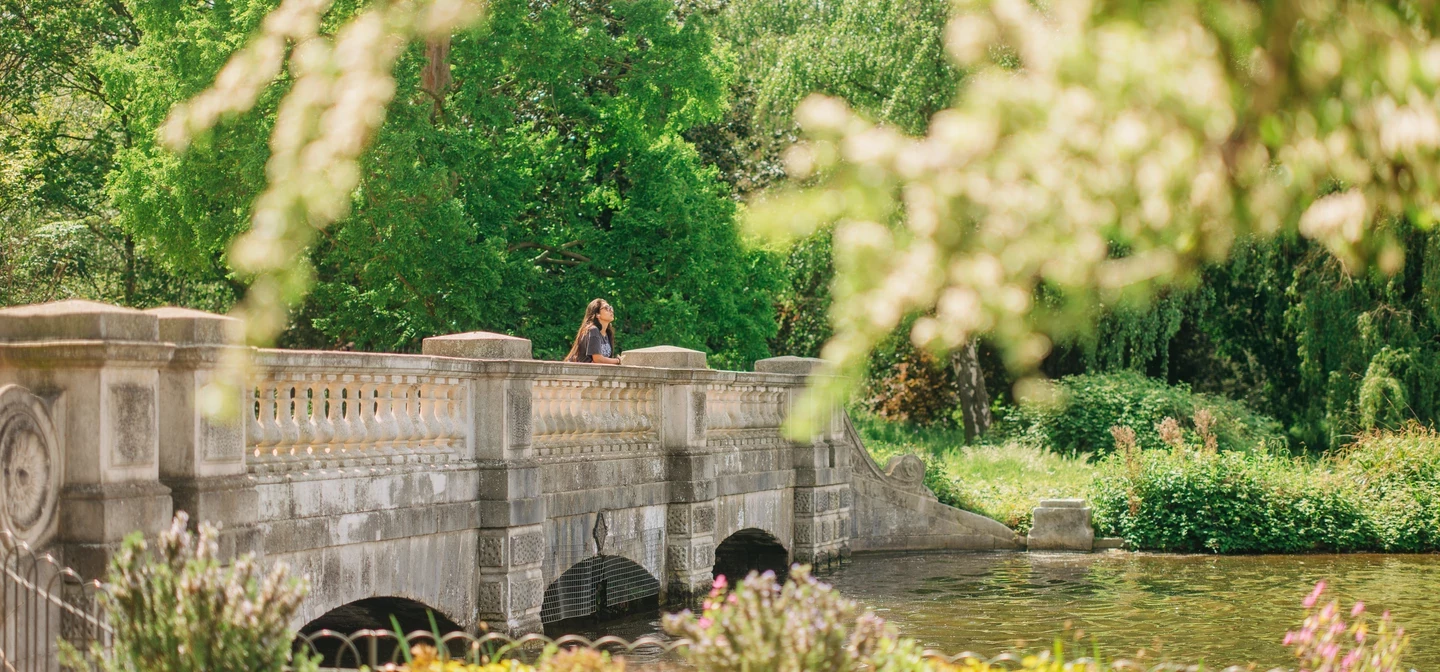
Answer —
(1224, 610)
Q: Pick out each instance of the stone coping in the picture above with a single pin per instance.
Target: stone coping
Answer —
(326, 361)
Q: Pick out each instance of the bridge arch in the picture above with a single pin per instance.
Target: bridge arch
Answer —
(600, 586)
(750, 549)
(373, 613)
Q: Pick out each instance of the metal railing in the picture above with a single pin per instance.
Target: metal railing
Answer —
(41, 603)
(382, 649)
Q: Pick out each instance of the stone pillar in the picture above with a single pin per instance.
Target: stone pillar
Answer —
(823, 497)
(510, 544)
(80, 422)
(202, 459)
(690, 471)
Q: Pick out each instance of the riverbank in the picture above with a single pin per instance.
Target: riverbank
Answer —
(1004, 482)
(1381, 494)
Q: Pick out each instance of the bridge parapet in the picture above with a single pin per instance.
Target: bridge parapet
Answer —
(470, 478)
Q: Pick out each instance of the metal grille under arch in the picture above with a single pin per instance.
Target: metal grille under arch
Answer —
(602, 581)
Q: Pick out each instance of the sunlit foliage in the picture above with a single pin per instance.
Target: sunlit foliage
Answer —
(1101, 150)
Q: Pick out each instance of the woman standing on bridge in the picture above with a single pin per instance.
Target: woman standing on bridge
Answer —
(595, 343)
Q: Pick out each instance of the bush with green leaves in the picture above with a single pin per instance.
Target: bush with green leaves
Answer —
(1076, 414)
(1380, 494)
(764, 626)
(179, 610)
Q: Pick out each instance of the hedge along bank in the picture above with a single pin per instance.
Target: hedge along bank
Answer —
(1382, 493)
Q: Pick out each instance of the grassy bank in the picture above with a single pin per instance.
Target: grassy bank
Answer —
(1003, 482)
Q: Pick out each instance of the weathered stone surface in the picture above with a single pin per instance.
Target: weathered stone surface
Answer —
(797, 366)
(1106, 543)
(477, 345)
(1061, 525)
(184, 326)
(76, 319)
(468, 479)
(664, 357)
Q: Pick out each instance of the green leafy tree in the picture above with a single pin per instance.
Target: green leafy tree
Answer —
(60, 127)
(523, 169)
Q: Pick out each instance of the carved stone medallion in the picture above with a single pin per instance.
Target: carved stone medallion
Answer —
(30, 468)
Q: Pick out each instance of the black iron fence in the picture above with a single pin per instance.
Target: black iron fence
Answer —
(43, 602)
(384, 649)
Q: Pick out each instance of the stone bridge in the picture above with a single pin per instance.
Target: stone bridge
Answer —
(472, 479)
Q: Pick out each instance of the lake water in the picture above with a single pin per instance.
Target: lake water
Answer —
(1224, 610)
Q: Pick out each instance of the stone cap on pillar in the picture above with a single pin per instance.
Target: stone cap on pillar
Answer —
(77, 319)
(664, 357)
(184, 326)
(477, 345)
(799, 366)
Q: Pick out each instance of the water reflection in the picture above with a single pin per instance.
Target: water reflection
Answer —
(1224, 610)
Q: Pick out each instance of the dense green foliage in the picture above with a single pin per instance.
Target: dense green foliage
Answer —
(551, 172)
(1381, 494)
(1077, 414)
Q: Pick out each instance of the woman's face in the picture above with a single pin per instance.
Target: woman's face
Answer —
(607, 313)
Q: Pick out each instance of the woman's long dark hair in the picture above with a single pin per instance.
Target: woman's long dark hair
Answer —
(592, 319)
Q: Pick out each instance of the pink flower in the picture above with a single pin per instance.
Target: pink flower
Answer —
(1314, 595)
(720, 583)
(1355, 610)
(705, 623)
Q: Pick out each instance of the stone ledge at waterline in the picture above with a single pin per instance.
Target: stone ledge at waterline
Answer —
(1064, 525)
(503, 475)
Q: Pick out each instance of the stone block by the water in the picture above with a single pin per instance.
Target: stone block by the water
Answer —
(1061, 525)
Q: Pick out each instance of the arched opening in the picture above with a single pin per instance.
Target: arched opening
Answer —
(374, 613)
(598, 589)
(750, 550)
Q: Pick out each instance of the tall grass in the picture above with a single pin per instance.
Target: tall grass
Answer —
(1004, 482)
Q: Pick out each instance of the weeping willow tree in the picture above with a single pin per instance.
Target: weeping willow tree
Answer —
(1164, 129)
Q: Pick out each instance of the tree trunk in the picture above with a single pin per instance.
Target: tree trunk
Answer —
(970, 381)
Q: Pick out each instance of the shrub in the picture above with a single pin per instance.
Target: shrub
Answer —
(1382, 493)
(1078, 414)
(179, 610)
(762, 626)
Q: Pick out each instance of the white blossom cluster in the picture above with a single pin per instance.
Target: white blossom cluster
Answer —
(1102, 150)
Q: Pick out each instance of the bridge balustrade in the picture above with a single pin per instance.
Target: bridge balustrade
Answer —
(468, 478)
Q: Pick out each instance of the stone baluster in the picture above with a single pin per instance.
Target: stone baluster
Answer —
(404, 406)
(540, 408)
(452, 433)
(324, 417)
(571, 421)
(368, 396)
(335, 412)
(427, 423)
(610, 408)
(385, 419)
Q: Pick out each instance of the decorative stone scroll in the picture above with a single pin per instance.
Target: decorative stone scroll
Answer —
(30, 467)
(301, 420)
(906, 471)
